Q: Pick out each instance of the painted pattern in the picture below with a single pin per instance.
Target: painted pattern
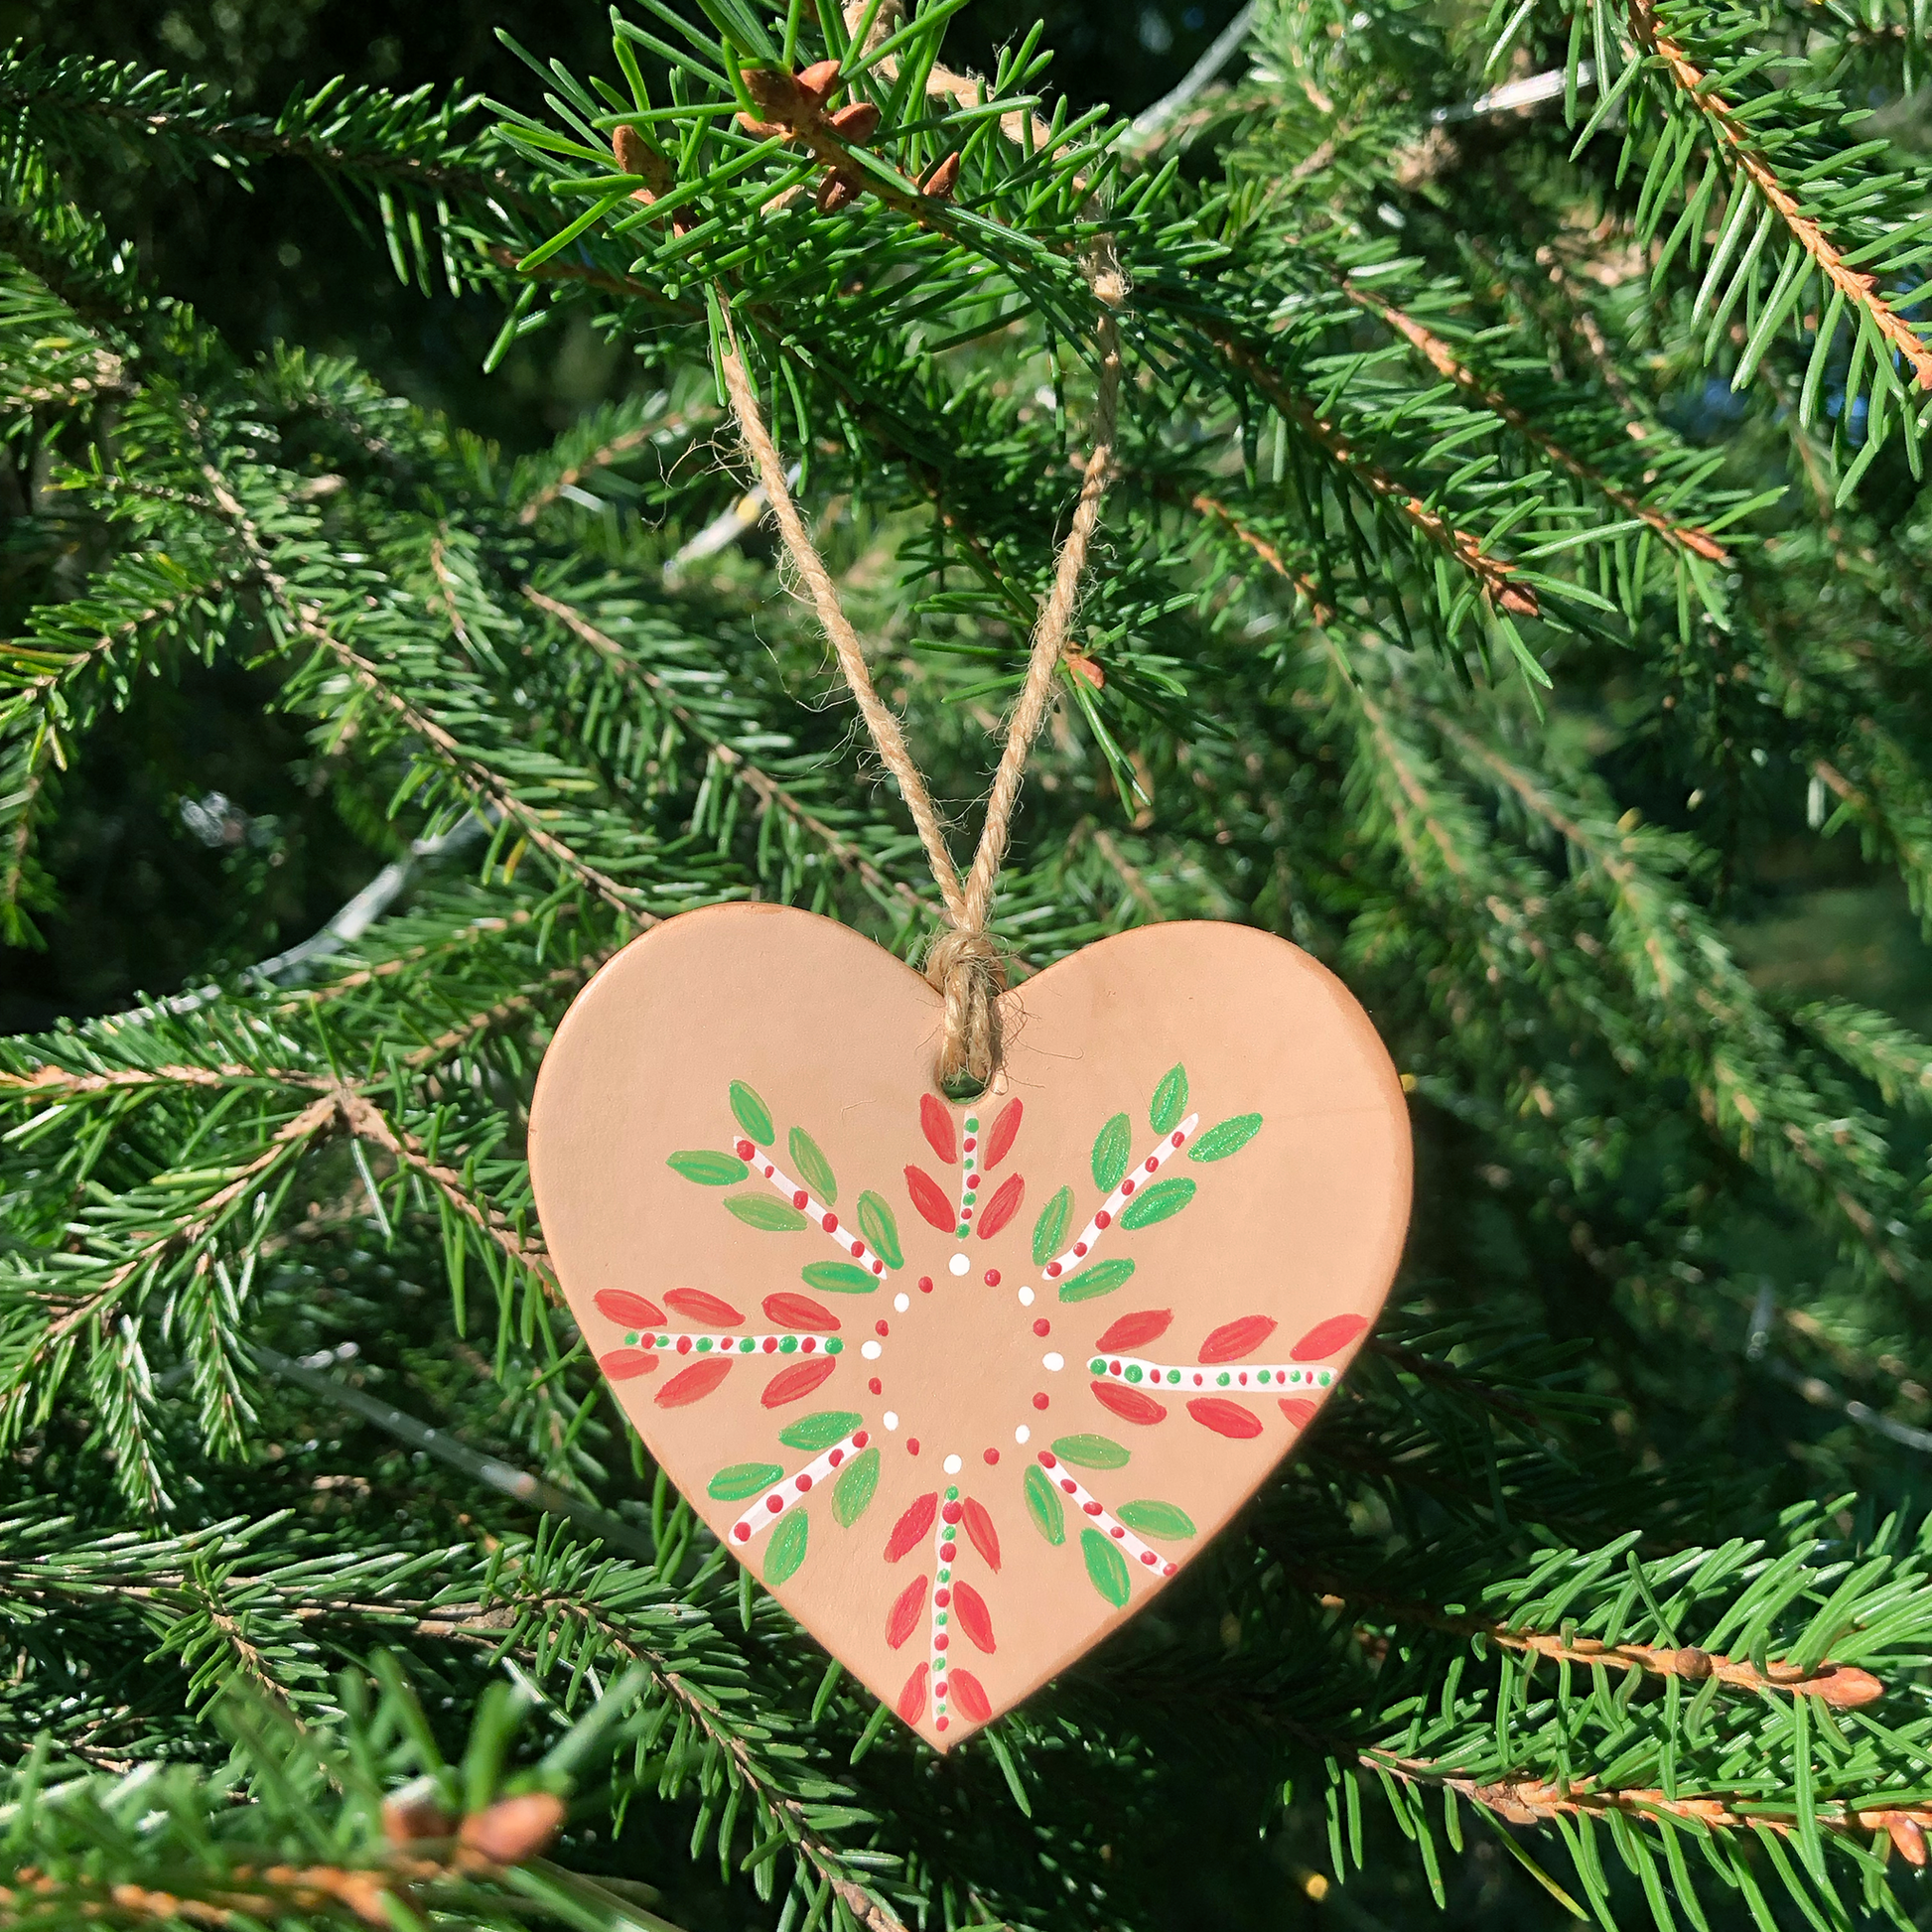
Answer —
(821, 1341)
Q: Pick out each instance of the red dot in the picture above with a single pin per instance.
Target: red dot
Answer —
(858, 1247)
(835, 1458)
(1043, 1326)
(1103, 1220)
(992, 1456)
(804, 1482)
(875, 1386)
(800, 1197)
(969, 1143)
(1079, 1247)
(1117, 1532)
(911, 1446)
(806, 1347)
(991, 1278)
(1198, 1381)
(939, 1641)
(947, 1551)
(939, 1724)
(952, 1512)
(1167, 1570)
(926, 1284)
(1092, 1510)
(744, 1150)
(1040, 1401)
(1053, 1267)
(742, 1530)
(830, 1224)
(877, 1267)
(881, 1328)
(1151, 1164)
(940, 1599)
(1068, 1484)
(771, 1344)
(774, 1504)
(650, 1342)
(861, 1440)
(965, 1214)
(684, 1344)
(1113, 1368)
(1148, 1555)
(1126, 1186)
(1178, 1137)
(972, 1180)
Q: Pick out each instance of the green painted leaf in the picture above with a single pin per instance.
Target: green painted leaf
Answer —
(709, 1169)
(742, 1479)
(838, 1277)
(813, 1168)
(1161, 1202)
(1091, 1451)
(1101, 1279)
(1170, 1101)
(787, 1548)
(857, 1482)
(880, 1225)
(1050, 1231)
(1106, 1566)
(1044, 1504)
(1151, 1518)
(1228, 1137)
(752, 1114)
(1112, 1149)
(820, 1430)
(766, 1212)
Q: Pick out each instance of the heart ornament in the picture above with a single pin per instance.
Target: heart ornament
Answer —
(965, 1386)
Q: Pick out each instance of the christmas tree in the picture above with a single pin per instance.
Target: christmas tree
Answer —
(1509, 582)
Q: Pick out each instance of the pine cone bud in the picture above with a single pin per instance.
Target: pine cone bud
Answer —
(1907, 1834)
(1521, 600)
(836, 192)
(1694, 1664)
(856, 124)
(413, 1813)
(819, 79)
(513, 1829)
(636, 156)
(778, 96)
(941, 178)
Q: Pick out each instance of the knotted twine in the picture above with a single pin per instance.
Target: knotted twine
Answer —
(964, 964)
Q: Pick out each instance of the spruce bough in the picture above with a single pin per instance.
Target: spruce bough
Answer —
(1517, 513)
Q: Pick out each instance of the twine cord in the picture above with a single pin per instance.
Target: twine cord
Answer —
(965, 964)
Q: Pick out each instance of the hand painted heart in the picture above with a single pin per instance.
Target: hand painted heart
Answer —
(965, 1385)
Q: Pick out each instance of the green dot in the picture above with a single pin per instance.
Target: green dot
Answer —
(1174, 1375)
(747, 1346)
(835, 1346)
(952, 1494)
(1327, 1378)
(972, 1123)
(945, 1575)
(1133, 1371)
(1096, 1366)
(663, 1342)
(791, 1343)
(631, 1342)
(970, 1198)
(964, 1230)
(1261, 1375)
(704, 1344)
(940, 1620)
(1222, 1379)
(938, 1664)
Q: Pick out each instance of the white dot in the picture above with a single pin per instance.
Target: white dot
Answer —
(902, 1302)
(871, 1351)
(953, 1466)
(1021, 1434)
(1025, 1297)
(891, 1419)
(1054, 1360)
(959, 1264)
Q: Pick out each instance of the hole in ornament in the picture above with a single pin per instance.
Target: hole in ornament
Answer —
(962, 1087)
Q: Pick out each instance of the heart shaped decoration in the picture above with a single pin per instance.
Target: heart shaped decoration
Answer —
(966, 1385)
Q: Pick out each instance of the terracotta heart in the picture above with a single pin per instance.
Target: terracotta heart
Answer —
(967, 1385)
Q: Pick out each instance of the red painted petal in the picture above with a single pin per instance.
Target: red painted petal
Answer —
(1298, 1410)
(999, 1138)
(911, 1700)
(707, 1310)
(621, 1364)
(693, 1384)
(801, 1378)
(799, 1312)
(982, 1534)
(1234, 1339)
(972, 1616)
(1328, 1338)
(913, 1525)
(934, 1208)
(1223, 1416)
(968, 1696)
(1134, 1331)
(1129, 1404)
(936, 1124)
(1004, 1205)
(628, 1311)
(903, 1617)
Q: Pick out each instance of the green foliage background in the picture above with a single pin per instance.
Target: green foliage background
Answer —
(1517, 597)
